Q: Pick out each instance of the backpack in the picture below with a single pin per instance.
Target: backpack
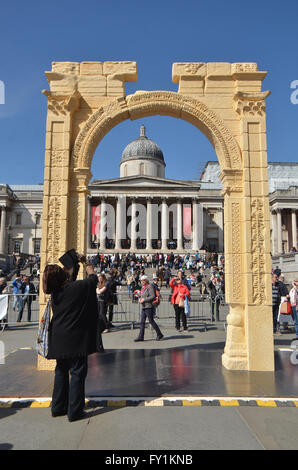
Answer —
(156, 301)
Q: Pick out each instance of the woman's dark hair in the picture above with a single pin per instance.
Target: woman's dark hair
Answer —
(53, 278)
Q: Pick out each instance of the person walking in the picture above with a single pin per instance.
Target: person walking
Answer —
(111, 285)
(277, 293)
(216, 293)
(148, 295)
(72, 336)
(17, 294)
(103, 294)
(179, 291)
(28, 290)
(294, 304)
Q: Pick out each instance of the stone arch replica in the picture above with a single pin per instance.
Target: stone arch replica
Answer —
(224, 101)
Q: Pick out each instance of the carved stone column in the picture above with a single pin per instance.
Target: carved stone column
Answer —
(249, 342)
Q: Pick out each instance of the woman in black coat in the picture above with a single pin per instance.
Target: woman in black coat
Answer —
(73, 335)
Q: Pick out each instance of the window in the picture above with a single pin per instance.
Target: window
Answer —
(37, 219)
(142, 168)
(17, 245)
(18, 219)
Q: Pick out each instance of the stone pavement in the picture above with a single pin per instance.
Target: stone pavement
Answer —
(165, 395)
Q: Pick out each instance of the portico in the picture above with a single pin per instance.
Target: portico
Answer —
(142, 223)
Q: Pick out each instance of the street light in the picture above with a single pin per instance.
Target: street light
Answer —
(36, 219)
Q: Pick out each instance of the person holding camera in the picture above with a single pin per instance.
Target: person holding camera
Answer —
(73, 332)
(179, 291)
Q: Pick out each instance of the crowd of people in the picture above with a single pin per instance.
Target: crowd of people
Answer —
(82, 310)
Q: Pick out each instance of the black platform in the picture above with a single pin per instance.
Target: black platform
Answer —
(191, 371)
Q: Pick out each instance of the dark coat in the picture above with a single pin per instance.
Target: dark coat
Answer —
(74, 326)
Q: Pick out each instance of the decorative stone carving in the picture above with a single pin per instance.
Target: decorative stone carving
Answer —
(258, 250)
(251, 104)
(236, 250)
(62, 105)
(150, 103)
(244, 67)
(188, 70)
(54, 228)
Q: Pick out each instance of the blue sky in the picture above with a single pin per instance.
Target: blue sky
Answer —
(155, 34)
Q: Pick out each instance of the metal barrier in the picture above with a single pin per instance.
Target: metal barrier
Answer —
(127, 311)
(17, 310)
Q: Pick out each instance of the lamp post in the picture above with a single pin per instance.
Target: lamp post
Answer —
(36, 218)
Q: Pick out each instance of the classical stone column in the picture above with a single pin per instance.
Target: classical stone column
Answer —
(2, 229)
(149, 225)
(179, 225)
(164, 224)
(294, 228)
(102, 231)
(120, 223)
(133, 245)
(279, 231)
(197, 225)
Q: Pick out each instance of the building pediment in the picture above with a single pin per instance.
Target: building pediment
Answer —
(143, 181)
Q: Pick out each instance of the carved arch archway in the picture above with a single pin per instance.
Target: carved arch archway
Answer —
(145, 104)
(237, 131)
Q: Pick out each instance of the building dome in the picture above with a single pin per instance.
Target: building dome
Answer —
(142, 156)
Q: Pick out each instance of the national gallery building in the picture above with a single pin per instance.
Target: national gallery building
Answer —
(142, 211)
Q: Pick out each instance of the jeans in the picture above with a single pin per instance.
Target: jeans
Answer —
(28, 301)
(69, 395)
(295, 317)
(148, 313)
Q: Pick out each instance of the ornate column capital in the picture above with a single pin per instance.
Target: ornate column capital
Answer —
(251, 104)
(62, 104)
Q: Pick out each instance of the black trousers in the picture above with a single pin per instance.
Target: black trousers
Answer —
(215, 309)
(69, 386)
(180, 315)
(275, 309)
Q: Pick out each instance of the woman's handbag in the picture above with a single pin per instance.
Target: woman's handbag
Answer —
(181, 300)
(186, 307)
(42, 343)
(286, 308)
